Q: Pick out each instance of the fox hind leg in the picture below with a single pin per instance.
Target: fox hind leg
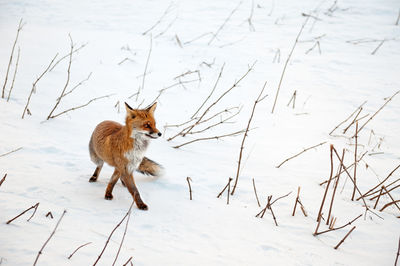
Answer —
(96, 160)
(114, 178)
(96, 173)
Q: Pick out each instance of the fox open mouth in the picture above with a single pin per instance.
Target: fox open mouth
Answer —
(150, 136)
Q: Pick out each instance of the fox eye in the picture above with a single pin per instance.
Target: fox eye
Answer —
(147, 126)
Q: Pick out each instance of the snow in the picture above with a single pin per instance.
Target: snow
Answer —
(53, 167)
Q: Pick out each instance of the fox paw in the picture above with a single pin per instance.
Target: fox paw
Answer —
(142, 206)
(93, 179)
(108, 196)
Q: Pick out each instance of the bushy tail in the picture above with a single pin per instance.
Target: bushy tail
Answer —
(150, 167)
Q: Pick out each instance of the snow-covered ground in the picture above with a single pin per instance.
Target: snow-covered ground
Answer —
(53, 166)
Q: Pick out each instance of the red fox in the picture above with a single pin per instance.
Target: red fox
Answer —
(123, 147)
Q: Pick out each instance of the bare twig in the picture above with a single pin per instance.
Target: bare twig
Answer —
(67, 55)
(49, 214)
(277, 56)
(379, 196)
(47, 241)
(297, 200)
(7, 153)
(327, 186)
(281, 197)
(81, 246)
(15, 74)
(67, 81)
(112, 232)
(377, 48)
(145, 68)
(293, 100)
(198, 37)
(188, 179)
(249, 20)
(358, 108)
(387, 101)
(397, 23)
(304, 150)
(198, 120)
(123, 237)
(393, 188)
(80, 106)
(34, 212)
(3, 179)
(334, 190)
(212, 91)
(22, 213)
(223, 24)
(76, 86)
(393, 201)
(129, 260)
(259, 99)
(20, 26)
(287, 62)
(340, 227)
(255, 192)
(167, 10)
(209, 138)
(341, 241)
(355, 163)
(366, 194)
(33, 90)
(352, 122)
(270, 208)
(398, 249)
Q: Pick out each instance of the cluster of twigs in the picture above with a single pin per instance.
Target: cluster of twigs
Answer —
(20, 26)
(200, 118)
(268, 206)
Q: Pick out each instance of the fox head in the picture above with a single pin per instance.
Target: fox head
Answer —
(142, 121)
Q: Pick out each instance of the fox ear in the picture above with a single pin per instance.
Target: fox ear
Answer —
(128, 108)
(152, 108)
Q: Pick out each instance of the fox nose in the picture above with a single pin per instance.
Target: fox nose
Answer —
(159, 134)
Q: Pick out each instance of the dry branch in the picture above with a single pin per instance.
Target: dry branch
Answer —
(259, 99)
(341, 241)
(112, 232)
(22, 213)
(398, 249)
(379, 196)
(7, 153)
(304, 150)
(188, 179)
(287, 62)
(81, 246)
(334, 190)
(15, 74)
(352, 122)
(3, 179)
(209, 138)
(297, 200)
(47, 241)
(78, 107)
(167, 10)
(255, 192)
(67, 82)
(20, 26)
(355, 163)
(76, 86)
(327, 186)
(337, 228)
(199, 120)
(377, 48)
(393, 201)
(281, 197)
(366, 194)
(49, 214)
(145, 68)
(33, 90)
(387, 101)
(374, 197)
(67, 55)
(249, 20)
(123, 237)
(341, 123)
(293, 100)
(212, 91)
(223, 24)
(129, 260)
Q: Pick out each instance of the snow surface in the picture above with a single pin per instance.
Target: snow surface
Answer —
(53, 166)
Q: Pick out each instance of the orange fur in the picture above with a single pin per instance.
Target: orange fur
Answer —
(123, 147)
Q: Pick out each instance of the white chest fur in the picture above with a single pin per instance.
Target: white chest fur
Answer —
(136, 154)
